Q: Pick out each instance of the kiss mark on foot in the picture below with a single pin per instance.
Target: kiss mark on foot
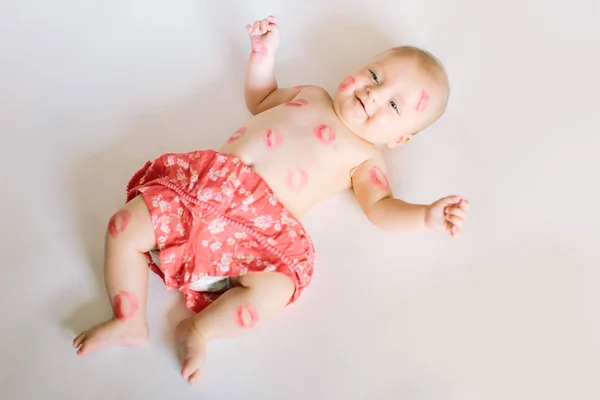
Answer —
(118, 222)
(273, 139)
(346, 83)
(132, 300)
(237, 134)
(421, 104)
(296, 103)
(325, 134)
(297, 179)
(246, 316)
(378, 178)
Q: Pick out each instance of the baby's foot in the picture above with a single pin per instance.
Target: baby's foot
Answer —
(191, 346)
(111, 333)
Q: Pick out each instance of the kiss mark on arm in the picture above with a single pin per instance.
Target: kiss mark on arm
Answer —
(259, 50)
(273, 139)
(118, 222)
(378, 178)
(296, 103)
(423, 102)
(296, 179)
(236, 135)
(347, 83)
(119, 305)
(325, 134)
(246, 316)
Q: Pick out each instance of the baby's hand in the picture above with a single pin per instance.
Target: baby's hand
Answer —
(447, 215)
(264, 35)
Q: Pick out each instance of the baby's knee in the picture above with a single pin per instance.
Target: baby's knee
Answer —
(132, 224)
(276, 284)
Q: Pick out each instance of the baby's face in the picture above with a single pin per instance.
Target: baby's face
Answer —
(388, 100)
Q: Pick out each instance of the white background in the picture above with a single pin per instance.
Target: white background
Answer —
(90, 90)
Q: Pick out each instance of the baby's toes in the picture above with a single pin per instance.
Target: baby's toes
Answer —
(80, 338)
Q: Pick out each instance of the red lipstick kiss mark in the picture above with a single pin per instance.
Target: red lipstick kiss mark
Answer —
(236, 135)
(120, 314)
(421, 104)
(246, 316)
(273, 139)
(296, 103)
(118, 223)
(325, 134)
(378, 178)
(296, 179)
(346, 83)
(259, 49)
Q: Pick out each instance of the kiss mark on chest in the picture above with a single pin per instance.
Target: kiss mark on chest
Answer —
(378, 178)
(296, 179)
(273, 139)
(236, 135)
(325, 134)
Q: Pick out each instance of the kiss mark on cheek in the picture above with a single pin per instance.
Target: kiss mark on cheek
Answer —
(346, 83)
(296, 103)
(423, 102)
(246, 316)
(259, 50)
(273, 139)
(236, 135)
(296, 179)
(119, 304)
(378, 178)
(118, 222)
(325, 134)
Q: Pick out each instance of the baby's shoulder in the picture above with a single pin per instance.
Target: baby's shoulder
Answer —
(312, 90)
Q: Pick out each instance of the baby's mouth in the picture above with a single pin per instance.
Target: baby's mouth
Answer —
(362, 104)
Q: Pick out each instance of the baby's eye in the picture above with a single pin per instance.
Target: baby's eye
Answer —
(394, 105)
(374, 76)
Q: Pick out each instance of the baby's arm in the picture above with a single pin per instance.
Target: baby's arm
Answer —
(375, 198)
(261, 89)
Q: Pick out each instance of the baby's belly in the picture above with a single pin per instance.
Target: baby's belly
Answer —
(298, 181)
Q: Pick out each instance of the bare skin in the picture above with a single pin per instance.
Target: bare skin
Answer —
(307, 145)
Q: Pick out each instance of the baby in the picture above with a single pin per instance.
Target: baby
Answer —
(223, 226)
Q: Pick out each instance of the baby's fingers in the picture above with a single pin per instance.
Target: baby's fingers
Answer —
(456, 221)
(454, 211)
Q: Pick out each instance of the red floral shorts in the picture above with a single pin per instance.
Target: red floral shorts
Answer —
(214, 218)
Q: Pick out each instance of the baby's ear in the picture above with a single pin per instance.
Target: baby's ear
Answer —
(399, 141)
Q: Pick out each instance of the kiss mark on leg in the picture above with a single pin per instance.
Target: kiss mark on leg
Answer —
(118, 222)
(347, 82)
(297, 179)
(325, 134)
(421, 104)
(237, 134)
(273, 139)
(378, 178)
(132, 301)
(296, 103)
(246, 316)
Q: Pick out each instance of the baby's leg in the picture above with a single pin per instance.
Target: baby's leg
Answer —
(129, 235)
(258, 298)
